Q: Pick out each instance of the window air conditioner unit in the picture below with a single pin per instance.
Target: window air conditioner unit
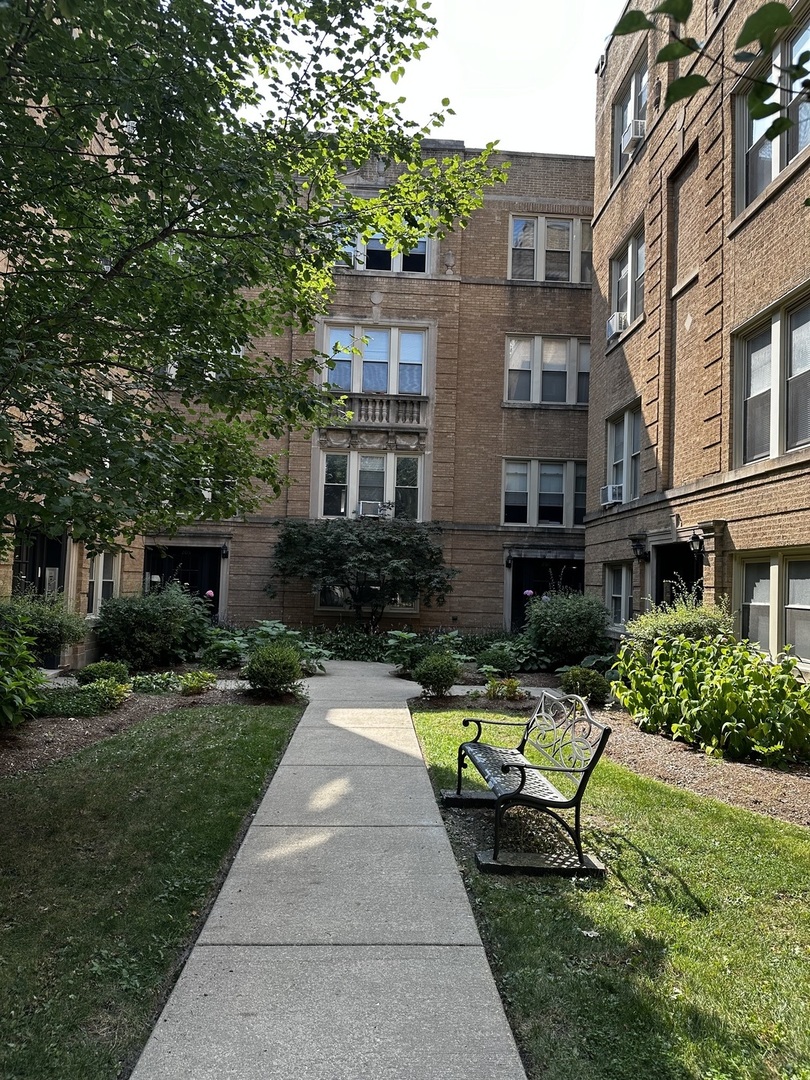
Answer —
(632, 135)
(610, 494)
(616, 323)
(369, 509)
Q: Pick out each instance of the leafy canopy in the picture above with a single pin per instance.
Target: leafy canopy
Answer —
(375, 562)
(172, 189)
(760, 29)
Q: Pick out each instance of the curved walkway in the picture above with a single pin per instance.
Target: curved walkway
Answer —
(342, 944)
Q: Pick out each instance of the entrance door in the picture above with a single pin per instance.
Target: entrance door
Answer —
(196, 567)
(677, 568)
(39, 568)
(537, 576)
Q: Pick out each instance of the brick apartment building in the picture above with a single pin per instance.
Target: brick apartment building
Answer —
(699, 427)
(469, 404)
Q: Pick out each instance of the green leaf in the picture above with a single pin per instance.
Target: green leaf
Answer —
(685, 87)
(676, 50)
(680, 10)
(782, 123)
(763, 25)
(745, 57)
(632, 23)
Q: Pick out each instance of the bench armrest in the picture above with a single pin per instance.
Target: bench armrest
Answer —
(480, 724)
(544, 768)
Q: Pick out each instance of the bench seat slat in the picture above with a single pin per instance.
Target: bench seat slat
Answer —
(489, 760)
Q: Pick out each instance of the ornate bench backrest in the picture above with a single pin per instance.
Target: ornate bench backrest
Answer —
(564, 734)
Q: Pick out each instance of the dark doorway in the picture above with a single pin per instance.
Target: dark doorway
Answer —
(39, 568)
(677, 569)
(539, 576)
(196, 567)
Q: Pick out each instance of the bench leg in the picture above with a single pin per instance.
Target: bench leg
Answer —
(577, 837)
(461, 765)
(500, 811)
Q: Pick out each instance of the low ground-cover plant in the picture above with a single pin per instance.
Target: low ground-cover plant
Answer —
(96, 698)
(722, 695)
(156, 682)
(103, 669)
(565, 626)
(685, 615)
(197, 682)
(311, 655)
(274, 669)
(688, 962)
(227, 648)
(155, 630)
(588, 684)
(20, 679)
(505, 690)
(349, 641)
(437, 673)
(46, 620)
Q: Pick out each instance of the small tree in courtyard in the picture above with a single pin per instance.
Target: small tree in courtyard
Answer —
(370, 563)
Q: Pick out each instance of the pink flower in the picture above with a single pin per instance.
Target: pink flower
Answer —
(528, 592)
(210, 594)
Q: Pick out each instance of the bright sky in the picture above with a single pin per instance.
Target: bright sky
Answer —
(519, 71)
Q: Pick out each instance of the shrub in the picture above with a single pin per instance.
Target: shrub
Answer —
(588, 684)
(310, 655)
(406, 649)
(500, 657)
(91, 700)
(565, 626)
(160, 682)
(103, 669)
(225, 648)
(722, 695)
(506, 690)
(437, 673)
(197, 682)
(44, 619)
(349, 641)
(274, 669)
(20, 679)
(686, 615)
(154, 630)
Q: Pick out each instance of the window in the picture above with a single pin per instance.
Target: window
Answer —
(627, 284)
(630, 116)
(371, 484)
(763, 159)
(376, 256)
(337, 597)
(551, 249)
(376, 360)
(102, 580)
(775, 602)
(624, 454)
(544, 493)
(774, 386)
(619, 592)
(547, 370)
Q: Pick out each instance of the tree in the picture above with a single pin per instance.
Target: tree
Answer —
(171, 188)
(770, 94)
(371, 562)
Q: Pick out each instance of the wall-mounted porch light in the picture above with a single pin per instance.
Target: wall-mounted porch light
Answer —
(638, 542)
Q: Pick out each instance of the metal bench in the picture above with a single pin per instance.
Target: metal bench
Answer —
(566, 743)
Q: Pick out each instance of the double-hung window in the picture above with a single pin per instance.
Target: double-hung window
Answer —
(774, 601)
(619, 592)
(624, 456)
(630, 116)
(376, 256)
(551, 249)
(376, 360)
(544, 493)
(773, 405)
(627, 284)
(761, 158)
(371, 485)
(547, 370)
(102, 580)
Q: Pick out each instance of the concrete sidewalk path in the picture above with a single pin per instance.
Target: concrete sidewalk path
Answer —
(342, 945)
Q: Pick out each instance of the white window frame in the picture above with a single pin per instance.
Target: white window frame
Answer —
(779, 563)
(353, 479)
(629, 107)
(356, 257)
(95, 563)
(580, 231)
(620, 574)
(360, 334)
(533, 473)
(780, 379)
(625, 467)
(574, 368)
(634, 253)
(751, 133)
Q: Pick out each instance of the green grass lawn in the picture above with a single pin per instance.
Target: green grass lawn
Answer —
(690, 960)
(108, 860)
